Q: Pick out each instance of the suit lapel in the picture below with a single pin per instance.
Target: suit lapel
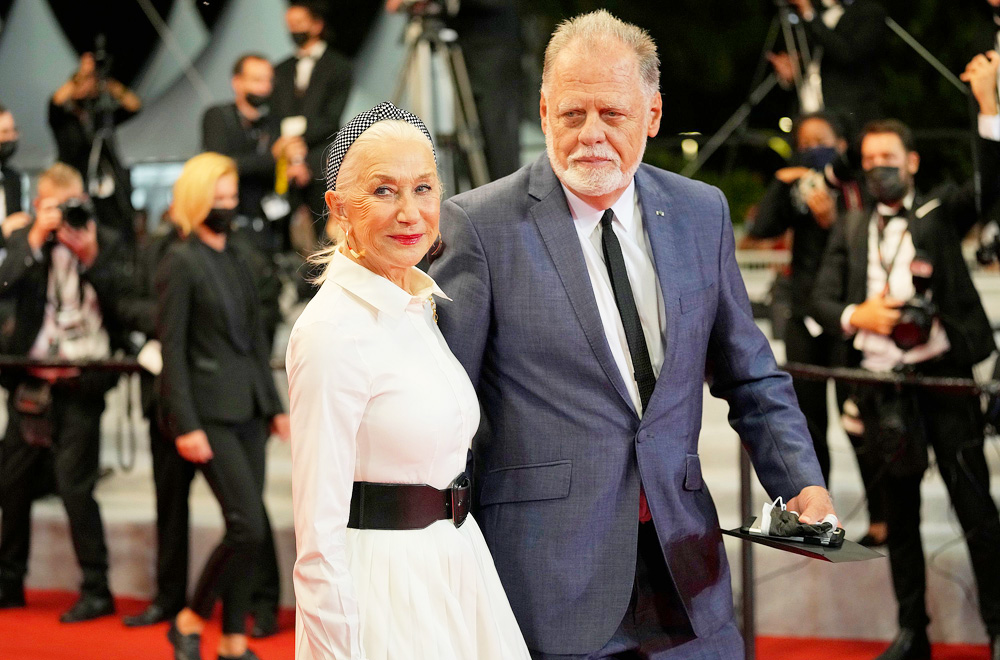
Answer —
(658, 212)
(555, 223)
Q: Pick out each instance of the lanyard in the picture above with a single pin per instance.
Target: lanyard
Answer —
(888, 266)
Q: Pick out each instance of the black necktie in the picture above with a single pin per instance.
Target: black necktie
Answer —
(615, 262)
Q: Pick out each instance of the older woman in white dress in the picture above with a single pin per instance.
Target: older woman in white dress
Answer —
(389, 567)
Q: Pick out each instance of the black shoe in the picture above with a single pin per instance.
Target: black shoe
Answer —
(995, 647)
(870, 541)
(11, 594)
(155, 613)
(88, 607)
(186, 647)
(247, 655)
(910, 644)
(265, 623)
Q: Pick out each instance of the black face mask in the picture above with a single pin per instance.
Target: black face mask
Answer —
(220, 220)
(886, 184)
(300, 38)
(257, 101)
(7, 150)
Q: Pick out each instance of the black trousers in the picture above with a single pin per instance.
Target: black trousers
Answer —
(800, 346)
(236, 477)
(953, 427)
(172, 476)
(74, 459)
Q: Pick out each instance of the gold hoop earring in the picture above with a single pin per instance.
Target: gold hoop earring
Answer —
(347, 242)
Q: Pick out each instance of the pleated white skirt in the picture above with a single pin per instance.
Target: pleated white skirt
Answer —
(431, 594)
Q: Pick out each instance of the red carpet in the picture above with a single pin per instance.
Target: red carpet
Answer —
(35, 633)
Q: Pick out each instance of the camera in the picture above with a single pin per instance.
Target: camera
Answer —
(77, 212)
(917, 314)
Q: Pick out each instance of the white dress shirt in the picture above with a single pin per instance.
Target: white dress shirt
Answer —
(306, 63)
(636, 250)
(375, 395)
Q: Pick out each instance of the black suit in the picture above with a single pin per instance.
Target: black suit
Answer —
(226, 131)
(850, 67)
(75, 414)
(321, 103)
(216, 377)
(11, 180)
(952, 425)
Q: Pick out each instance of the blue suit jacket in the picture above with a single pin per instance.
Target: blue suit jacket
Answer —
(560, 453)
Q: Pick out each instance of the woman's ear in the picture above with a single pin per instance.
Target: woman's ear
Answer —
(335, 202)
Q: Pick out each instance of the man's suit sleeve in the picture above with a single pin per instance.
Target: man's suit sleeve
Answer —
(463, 274)
(16, 259)
(829, 295)
(763, 408)
(215, 134)
(320, 128)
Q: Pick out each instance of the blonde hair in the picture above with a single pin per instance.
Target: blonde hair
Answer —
(597, 30)
(194, 190)
(61, 176)
(347, 177)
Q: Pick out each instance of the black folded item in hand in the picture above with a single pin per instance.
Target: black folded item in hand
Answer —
(786, 523)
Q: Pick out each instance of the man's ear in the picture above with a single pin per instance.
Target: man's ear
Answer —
(655, 114)
(912, 162)
(543, 111)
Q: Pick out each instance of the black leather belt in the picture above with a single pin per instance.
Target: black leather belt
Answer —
(408, 506)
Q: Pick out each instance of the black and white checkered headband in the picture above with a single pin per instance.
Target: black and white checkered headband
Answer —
(333, 157)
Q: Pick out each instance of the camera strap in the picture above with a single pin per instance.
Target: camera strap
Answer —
(887, 266)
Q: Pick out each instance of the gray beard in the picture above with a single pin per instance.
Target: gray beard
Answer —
(591, 184)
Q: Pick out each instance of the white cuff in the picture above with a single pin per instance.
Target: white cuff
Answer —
(845, 321)
(989, 127)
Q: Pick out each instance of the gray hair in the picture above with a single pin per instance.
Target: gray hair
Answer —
(600, 29)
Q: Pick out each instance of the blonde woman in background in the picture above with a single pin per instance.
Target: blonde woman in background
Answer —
(218, 392)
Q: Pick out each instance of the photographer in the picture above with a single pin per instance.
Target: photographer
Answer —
(847, 39)
(78, 111)
(64, 275)
(804, 199)
(904, 247)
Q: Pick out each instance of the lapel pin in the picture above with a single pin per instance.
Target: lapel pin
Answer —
(659, 213)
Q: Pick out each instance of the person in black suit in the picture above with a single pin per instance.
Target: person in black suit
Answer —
(805, 199)
(217, 392)
(847, 39)
(869, 269)
(312, 85)
(12, 216)
(243, 130)
(76, 116)
(65, 282)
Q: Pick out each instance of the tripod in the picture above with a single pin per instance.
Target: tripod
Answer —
(436, 82)
(789, 26)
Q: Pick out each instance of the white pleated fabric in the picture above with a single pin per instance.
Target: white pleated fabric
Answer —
(376, 396)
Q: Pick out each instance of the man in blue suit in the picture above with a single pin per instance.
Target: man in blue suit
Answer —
(593, 296)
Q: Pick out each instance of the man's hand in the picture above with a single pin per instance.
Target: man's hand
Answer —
(784, 68)
(821, 205)
(48, 218)
(879, 314)
(299, 174)
(194, 447)
(789, 175)
(804, 8)
(81, 242)
(281, 426)
(812, 504)
(994, 3)
(13, 222)
(981, 74)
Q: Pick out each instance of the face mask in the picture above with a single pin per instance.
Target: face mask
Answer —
(7, 150)
(300, 38)
(817, 158)
(829, 4)
(257, 101)
(886, 184)
(220, 220)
